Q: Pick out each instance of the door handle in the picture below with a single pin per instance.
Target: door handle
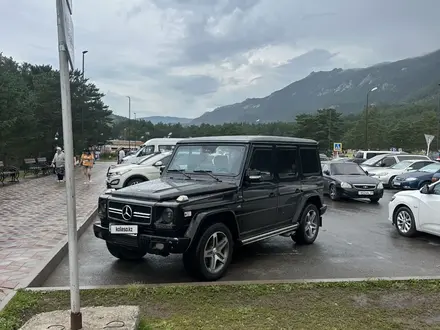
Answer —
(272, 194)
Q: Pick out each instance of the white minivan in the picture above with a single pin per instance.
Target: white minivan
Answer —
(150, 147)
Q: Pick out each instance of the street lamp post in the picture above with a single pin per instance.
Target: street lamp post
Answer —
(366, 117)
(82, 107)
(129, 121)
(438, 120)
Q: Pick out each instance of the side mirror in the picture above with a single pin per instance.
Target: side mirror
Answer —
(253, 176)
(161, 169)
(158, 164)
(366, 172)
(382, 164)
(425, 189)
(326, 172)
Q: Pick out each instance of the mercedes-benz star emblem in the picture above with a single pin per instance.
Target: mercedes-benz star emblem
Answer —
(127, 212)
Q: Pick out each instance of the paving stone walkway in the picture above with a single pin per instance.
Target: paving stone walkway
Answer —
(33, 221)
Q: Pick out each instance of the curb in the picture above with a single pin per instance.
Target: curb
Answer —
(256, 282)
(7, 299)
(39, 275)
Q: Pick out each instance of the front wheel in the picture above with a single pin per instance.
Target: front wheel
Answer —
(124, 253)
(334, 193)
(405, 223)
(134, 181)
(211, 255)
(308, 229)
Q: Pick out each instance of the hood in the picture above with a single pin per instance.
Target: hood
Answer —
(121, 167)
(356, 179)
(165, 188)
(415, 174)
(408, 193)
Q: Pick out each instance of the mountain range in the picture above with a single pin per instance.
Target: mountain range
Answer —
(410, 80)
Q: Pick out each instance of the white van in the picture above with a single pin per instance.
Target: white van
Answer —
(363, 155)
(150, 147)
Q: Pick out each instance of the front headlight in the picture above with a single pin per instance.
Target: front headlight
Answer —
(411, 179)
(345, 185)
(393, 198)
(380, 185)
(120, 172)
(102, 208)
(165, 219)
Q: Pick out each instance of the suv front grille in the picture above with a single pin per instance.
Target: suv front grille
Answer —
(364, 186)
(129, 212)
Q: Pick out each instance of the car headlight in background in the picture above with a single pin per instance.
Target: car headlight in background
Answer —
(380, 185)
(345, 185)
(411, 179)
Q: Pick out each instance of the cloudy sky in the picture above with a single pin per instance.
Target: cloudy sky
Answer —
(184, 57)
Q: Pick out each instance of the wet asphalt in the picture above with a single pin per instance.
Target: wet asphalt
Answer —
(356, 240)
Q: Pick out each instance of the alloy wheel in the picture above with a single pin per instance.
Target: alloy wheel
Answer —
(216, 252)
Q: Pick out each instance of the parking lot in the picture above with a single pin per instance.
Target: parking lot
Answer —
(356, 240)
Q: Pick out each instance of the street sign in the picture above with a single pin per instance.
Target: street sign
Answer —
(67, 26)
(337, 146)
(428, 139)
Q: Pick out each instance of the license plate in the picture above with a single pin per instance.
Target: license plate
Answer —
(131, 230)
(366, 193)
(396, 183)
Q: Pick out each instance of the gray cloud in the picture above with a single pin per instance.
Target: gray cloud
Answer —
(199, 54)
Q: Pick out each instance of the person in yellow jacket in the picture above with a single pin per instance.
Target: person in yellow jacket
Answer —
(87, 160)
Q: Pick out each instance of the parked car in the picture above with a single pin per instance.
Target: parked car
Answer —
(362, 155)
(416, 210)
(259, 187)
(387, 175)
(388, 160)
(323, 157)
(416, 180)
(152, 146)
(131, 174)
(349, 180)
(139, 161)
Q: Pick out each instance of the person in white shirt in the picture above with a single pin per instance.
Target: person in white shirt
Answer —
(121, 155)
(59, 162)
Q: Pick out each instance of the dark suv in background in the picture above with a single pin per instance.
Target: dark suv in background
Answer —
(215, 194)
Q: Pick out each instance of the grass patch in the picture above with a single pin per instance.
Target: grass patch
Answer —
(357, 305)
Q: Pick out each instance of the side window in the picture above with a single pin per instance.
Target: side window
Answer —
(166, 160)
(310, 162)
(286, 163)
(388, 161)
(325, 167)
(436, 190)
(371, 155)
(261, 164)
(418, 165)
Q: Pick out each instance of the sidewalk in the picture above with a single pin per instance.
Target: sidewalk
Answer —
(33, 221)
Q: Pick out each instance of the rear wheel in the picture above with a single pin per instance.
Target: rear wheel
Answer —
(390, 182)
(209, 258)
(308, 229)
(124, 253)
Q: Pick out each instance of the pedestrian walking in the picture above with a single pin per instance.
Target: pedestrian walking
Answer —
(121, 154)
(58, 163)
(87, 161)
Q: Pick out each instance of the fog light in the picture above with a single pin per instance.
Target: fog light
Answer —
(160, 246)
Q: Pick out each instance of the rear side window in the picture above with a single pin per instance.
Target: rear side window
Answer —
(359, 155)
(371, 154)
(388, 161)
(310, 162)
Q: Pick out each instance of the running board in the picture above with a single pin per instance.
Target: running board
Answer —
(269, 234)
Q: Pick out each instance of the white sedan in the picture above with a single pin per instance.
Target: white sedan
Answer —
(131, 174)
(387, 175)
(413, 211)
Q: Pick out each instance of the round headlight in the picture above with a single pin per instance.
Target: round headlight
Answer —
(167, 215)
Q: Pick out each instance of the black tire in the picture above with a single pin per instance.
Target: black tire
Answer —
(334, 193)
(124, 253)
(374, 200)
(402, 215)
(390, 183)
(303, 234)
(194, 259)
(134, 181)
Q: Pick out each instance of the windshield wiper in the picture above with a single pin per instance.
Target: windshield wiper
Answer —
(209, 173)
(180, 171)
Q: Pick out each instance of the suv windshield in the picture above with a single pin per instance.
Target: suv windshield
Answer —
(346, 169)
(218, 159)
(403, 164)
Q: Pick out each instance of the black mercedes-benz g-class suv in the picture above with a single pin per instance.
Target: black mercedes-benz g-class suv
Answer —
(215, 194)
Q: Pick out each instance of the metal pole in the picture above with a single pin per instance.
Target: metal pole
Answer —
(75, 315)
(366, 123)
(82, 106)
(438, 120)
(129, 121)
(329, 128)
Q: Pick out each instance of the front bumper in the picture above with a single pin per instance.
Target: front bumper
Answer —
(159, 245)
(406, 184)
(354, 193)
